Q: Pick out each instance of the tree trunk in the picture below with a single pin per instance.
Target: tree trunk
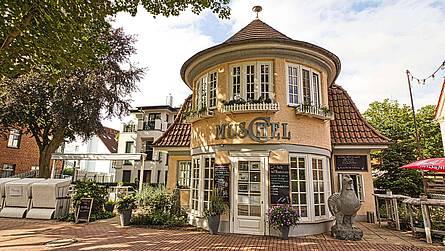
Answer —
(44, 163)
(46, 152)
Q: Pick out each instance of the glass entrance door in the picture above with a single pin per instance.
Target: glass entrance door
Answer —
(249, 183)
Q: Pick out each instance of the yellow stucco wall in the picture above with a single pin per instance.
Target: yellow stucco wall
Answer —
(305, 130)
(368, 186)
(173, 170)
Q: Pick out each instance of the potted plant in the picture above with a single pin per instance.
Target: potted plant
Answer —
(217, 206)
(282, 217)
(109, 206)
(125, 206)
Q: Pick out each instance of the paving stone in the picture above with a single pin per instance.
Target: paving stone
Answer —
(21, 234)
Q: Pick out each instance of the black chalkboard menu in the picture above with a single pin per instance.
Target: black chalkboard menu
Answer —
(222, 182)
(351, 162)
(84, 210)
(279, 184)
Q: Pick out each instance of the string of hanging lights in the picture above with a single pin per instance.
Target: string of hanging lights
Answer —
(422, 81)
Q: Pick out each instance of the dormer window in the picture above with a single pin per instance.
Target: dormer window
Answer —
(303, 86)
(251, 81)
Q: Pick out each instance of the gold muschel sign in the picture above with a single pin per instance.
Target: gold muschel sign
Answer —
(260, 129)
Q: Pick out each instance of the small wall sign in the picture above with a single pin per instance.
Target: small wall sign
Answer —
(260, 129)
(351, 163)
(279, 184)
(84, 210)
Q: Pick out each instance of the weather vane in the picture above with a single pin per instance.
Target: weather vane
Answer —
(257, 9)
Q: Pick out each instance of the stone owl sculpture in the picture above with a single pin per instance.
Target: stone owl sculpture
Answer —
(344, 207)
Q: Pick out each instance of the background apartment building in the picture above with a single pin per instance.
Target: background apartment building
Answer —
(147, 124)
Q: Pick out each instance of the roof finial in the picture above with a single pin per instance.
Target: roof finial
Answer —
(257, 9)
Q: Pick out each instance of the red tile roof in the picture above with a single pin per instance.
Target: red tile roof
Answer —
(108, 137)
(349, 126)
(257, 29)
(178, 134)
(259, 32)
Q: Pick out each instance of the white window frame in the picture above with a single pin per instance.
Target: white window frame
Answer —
(268, 93)
(360, 194)
(231, 78)
(310, 185)
(212, 87)
(8, 168)
(193, 210)
(257, 79)
(325, 191)
(14, 138)
(312, 91)
(201, 181)
(298, 94)
(184, 173)
(316, 93)
(210, 179)
(204, 91)
(308, 194)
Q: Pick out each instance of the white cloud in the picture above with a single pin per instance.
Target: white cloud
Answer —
(375, 40)
(376, 45)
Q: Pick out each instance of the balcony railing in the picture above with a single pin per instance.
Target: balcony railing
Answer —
(148, 125)
(251, 107)
(193, 116)
(129, 128)
(314, 111)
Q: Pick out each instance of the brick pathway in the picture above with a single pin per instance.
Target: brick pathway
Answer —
(20, 234)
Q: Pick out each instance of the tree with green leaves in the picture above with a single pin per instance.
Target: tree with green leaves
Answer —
(73, 105)
(63, 69)
(396, 122)
(63, 34)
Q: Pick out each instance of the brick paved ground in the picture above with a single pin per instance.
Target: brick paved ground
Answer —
(19, 234)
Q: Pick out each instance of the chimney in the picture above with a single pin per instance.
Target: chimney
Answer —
(169, 100)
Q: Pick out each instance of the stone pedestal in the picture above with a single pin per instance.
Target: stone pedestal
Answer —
(346, 233)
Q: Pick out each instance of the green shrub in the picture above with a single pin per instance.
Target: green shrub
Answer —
(217, 206)
(157, 207)
(68, 171)
(125, 204)
(99, 194)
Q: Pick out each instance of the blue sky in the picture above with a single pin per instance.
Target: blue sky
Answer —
(375, 40)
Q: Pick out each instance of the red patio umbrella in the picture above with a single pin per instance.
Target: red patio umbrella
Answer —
(435, 165)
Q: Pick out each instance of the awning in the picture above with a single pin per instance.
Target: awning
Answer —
(279, 157)
(95, 156)
(222, 157)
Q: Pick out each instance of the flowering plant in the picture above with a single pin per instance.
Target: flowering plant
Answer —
(283, 216)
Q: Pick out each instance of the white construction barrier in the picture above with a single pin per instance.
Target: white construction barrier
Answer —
(49, 199)
(3, 181)
(17, 197)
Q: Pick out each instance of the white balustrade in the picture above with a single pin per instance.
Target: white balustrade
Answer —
(248, 107)
(314, 111)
